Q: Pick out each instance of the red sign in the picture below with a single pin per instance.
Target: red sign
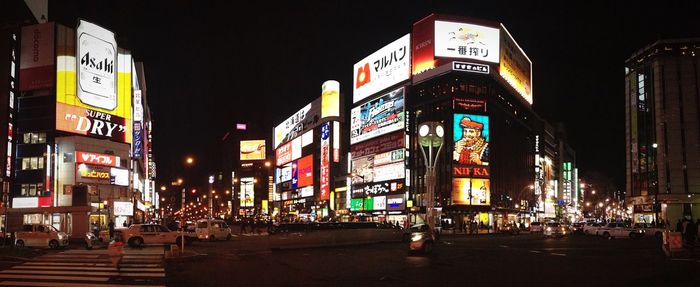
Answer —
(283, 154)
(378, 145)
(96, 158)
(305, 170)
(423, 41)
(470, 171)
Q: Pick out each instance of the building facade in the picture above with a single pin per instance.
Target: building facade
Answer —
(663, 131)
(81, 133)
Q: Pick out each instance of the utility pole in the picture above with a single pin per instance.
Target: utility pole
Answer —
(182, 223)
(211, 202)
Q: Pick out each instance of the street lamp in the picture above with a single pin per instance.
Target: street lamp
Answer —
(211, 182)
(430, 135)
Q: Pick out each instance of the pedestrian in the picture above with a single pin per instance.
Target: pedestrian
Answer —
(115, 251)
(111, 229)
(398, 226)
(690, 233)
(242, 227)
(679, 226)
(125, 224)
(96, 229)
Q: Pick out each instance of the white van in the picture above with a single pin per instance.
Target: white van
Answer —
(212, 229)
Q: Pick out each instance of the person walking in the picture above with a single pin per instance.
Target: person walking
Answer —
(690, 231)
(242, 231)
(111, 229)
(679, 226)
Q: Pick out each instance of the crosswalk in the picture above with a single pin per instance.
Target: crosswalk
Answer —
(82, 268)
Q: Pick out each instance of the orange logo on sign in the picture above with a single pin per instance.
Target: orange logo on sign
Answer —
(363, 76)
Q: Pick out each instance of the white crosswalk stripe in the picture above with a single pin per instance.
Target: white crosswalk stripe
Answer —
(81, 268)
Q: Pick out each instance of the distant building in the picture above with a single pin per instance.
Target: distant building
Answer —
(662, 122)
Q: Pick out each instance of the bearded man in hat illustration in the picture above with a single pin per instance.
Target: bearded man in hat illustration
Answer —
(472, 148)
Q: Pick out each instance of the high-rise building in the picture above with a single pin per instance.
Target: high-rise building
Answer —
(662, 122)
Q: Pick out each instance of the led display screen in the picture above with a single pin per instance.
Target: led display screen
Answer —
(252, 150)
(471, 139)
(377, 117)
(471, 191)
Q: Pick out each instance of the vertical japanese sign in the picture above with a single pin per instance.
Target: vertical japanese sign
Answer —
(325, 161)
(36, 60)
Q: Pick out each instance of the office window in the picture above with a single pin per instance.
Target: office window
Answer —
(32, 189)
(34, 138)
(29, 163)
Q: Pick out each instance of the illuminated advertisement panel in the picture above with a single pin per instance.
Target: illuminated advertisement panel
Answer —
(247, 194)
(389, 171)
(471, 139)
(252, 150)
(471, 191)
(379, 203)
(325, 162)
(93, 174)
(119, 176)
(284, 174)
(97, 158)
(330, 99)
(423, 48)
(515, 67)
(356, 204)
(93, 90)
(300, 122)
(378, 188)
(377, 117)
(378, 145)
(466, 41)
(138, 141)
(380, 167)
(303, 172)
(382, 69)
(283, 154)
(123, 208)
(395, 202)
(36, 60)
(96, 67)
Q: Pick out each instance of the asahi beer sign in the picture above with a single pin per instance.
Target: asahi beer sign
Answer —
(97, 73)
(92, 123)
(302, 121)
(382, 69)
(466, 41)
(377, 117)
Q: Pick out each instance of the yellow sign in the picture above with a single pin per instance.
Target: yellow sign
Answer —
(471, 191)
(253, 150)
(330, 99)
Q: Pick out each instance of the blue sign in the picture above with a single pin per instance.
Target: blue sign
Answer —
(138, 141)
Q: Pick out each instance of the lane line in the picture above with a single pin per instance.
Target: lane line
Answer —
(44, 277)
(61, 284)
(32, 267)
(558, 254)
(93, 273)
(503, 246)
(535, 251)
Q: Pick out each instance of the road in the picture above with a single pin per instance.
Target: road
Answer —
(486, 260)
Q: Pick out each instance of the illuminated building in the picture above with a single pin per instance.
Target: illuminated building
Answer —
(501, 162)
(661, 121)
(82, 136)
(307, 159)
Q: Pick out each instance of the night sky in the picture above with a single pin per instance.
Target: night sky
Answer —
(210, 65)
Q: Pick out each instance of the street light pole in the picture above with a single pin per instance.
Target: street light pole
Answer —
(430, 135)
(211, 202)
(182, 222)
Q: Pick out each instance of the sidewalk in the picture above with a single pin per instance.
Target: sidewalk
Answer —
(23, 254)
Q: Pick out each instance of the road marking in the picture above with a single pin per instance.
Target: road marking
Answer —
(682, 259)
(69, 256)
(88, 268)
(558, 254)
(503, 246)
(535, 251)
(68, 264)
(93, 273)
(64, 284)
(43, 277)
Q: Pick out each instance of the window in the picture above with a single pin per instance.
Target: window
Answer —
(32, 189)
(32, 163)
(34, 138)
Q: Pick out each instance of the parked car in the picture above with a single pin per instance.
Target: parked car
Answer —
(554, 229)
(212, 229)
(536, 227)
(577, 228)
(592, 228)
(40, 235)
(510, 228)
(620, 230)
(650, 230)
(151, 234)
(421, 238)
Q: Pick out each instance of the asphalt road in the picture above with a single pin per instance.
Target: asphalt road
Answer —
(487, 260)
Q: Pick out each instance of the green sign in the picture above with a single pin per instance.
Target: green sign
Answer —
(356, 204)
(369, 203)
